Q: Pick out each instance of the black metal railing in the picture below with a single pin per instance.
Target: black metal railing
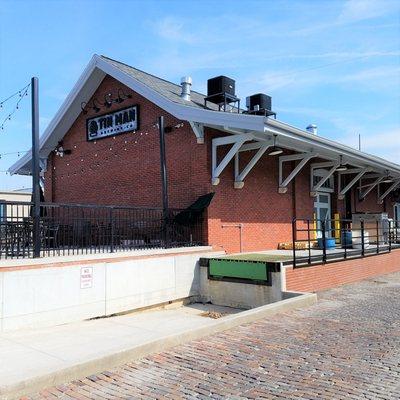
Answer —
(317, 241)
(67, 229)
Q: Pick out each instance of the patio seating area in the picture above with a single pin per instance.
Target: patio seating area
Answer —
(67, 229)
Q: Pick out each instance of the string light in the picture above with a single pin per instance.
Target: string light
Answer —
(99, 147)
(92, 167)
(13, 95)
(22, 93)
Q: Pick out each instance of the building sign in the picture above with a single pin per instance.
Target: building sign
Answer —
(86, 277)
(112, 124)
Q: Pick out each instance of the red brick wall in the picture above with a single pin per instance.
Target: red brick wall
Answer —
(264, 215)
(125, 170)
(320, 277)
(369, 204)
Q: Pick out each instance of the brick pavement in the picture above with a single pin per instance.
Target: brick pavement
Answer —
(345, 347)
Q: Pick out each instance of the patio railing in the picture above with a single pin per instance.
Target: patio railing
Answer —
(321, 241)
(67, 229)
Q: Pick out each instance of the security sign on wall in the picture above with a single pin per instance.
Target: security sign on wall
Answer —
(113, 123)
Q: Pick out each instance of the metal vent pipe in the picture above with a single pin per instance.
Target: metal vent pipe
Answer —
(312, 128)
(186, 82)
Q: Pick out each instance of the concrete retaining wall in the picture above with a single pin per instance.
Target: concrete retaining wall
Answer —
(59, 291)
(237, 294)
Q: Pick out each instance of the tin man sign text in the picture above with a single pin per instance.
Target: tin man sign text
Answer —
(113, 123)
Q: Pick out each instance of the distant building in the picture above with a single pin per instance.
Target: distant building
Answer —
(18, 196)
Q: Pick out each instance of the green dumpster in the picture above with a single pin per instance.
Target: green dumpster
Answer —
(241, 270)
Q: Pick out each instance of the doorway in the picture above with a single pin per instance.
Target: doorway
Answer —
(322, 210)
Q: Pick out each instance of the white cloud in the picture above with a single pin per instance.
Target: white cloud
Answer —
(358, 10)
(172, 29)
(353, 11)
(372, 79)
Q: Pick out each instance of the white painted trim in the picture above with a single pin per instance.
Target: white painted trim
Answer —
(237, 141)
(392, 187)
(323, 145)
(261, 127)
(343, 191)
(239, 176)
(325, 178)
(198, 130)
(304, 158)
(371, 187)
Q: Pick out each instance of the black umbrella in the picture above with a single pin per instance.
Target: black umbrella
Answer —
(191, 214)
(43, 212)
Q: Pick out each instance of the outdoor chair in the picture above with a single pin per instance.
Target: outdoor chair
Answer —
(49, 235)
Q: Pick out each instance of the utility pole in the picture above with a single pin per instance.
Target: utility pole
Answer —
(35, 167)
(359, 141)
(164, 178)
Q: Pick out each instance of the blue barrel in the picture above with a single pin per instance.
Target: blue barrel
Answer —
(347, 240)
(330, 243)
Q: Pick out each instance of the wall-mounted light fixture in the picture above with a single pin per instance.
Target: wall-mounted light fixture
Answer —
(274, 150)
(60, 151)
(108, 100)
(387, 179)
(122, 96)
(341, 167)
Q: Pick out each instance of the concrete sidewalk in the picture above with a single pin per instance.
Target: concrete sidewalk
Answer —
(28, 354)
(33, 359)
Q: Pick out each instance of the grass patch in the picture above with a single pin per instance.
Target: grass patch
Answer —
(259, 257)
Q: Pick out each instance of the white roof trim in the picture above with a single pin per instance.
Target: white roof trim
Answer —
(88, 79)
(97, 69)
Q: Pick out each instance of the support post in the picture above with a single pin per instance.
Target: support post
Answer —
(164, 178)
(35, 167)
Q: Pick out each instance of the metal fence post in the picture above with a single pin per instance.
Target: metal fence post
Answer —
(309, 241)
(362, 239)
(294, 241)
(112, 229)
(390, 235)
(377, 237)
(323, 226)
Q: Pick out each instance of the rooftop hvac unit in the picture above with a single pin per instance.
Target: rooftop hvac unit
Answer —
(221, 91)
(259, 104)
(220, 84)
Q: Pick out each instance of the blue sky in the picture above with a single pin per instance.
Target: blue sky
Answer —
(333, 63)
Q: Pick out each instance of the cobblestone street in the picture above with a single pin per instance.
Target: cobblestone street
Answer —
(345, 347)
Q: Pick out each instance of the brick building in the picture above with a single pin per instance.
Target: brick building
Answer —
(102, 147)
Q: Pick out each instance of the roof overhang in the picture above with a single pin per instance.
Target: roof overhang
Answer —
(259, 127)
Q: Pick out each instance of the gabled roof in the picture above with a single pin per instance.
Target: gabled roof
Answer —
(166, 95)
(161, 92)
(163, 87)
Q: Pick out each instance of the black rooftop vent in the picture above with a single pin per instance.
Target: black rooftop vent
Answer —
(221, 91)
(259, 104)
(220, 84)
